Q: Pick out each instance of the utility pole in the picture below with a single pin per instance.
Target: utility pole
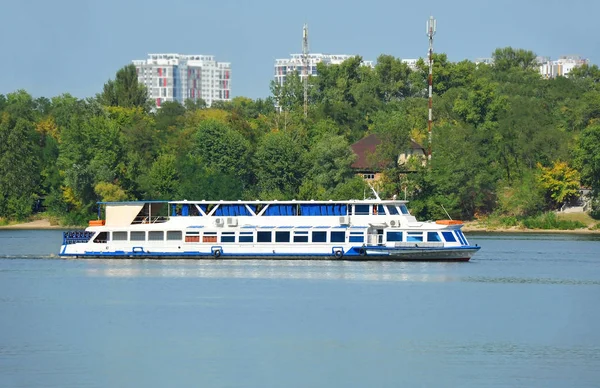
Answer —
(431, 28)
(305, 67)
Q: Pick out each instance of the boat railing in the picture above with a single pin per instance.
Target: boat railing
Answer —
(149, 220)
(77, 236)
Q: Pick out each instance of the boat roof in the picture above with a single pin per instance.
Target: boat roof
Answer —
(259, 202)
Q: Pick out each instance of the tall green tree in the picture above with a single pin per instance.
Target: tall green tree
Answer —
(125, 91)
(19, 157)
(278, 165)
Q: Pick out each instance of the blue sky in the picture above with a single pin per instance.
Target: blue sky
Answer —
(75, 46)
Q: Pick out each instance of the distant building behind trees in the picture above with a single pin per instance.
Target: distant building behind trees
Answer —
(178, 77)
(549, 68)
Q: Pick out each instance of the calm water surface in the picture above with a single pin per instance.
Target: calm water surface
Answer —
(524, 312)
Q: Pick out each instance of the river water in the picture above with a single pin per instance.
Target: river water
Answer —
(524, 312)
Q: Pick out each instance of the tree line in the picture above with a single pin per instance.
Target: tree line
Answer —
(505, 141)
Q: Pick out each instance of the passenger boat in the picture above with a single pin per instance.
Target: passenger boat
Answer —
(368, 229)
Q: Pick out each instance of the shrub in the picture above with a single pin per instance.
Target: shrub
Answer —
(551, 221)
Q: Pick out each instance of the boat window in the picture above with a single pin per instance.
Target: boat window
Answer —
(319, 236)
(393, 210)
(404, 210)
(246, 237)
(101, 238)
(209, 237)
(449, 236)
(119, 236)
(263, 237)
(414, 236)
(338, 237)
(282, 237)
(300, 237)
(379, 210)
(192, 238)
(156, 235)
(394, 236)
(357, 237)
(228, 237)
(433, 236)
(138, 236)
(361, 209)
(174, 235)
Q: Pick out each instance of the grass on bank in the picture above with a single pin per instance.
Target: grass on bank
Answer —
(544, 221)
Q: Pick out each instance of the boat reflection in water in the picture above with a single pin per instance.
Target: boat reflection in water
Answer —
(271, 269)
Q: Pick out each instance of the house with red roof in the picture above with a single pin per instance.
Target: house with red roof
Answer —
(366, 147)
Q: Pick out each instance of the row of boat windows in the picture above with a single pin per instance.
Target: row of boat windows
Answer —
(296, 236)
(289, 210)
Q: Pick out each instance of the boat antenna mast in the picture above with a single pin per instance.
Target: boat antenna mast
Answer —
(374, 191)
(305, 67)
(431, 29)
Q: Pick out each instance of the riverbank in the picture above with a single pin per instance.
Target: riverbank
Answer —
(475, 227)
(42, 224)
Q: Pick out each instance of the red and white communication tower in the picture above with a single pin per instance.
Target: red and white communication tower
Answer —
(305, 67)
(431, 28)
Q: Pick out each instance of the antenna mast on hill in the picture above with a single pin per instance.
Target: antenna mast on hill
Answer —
(431, 28)
(305, 67)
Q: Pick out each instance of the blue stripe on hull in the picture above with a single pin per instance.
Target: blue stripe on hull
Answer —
(374, 253)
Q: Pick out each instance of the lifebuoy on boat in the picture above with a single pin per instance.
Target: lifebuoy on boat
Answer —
(362, 252)
(339, 254)
(217, 253)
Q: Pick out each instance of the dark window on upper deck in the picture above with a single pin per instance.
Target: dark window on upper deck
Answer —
(319, 236)
(361, 209)
(228, 237)
(449, 236)
(300, 237)
(433, 236)
(101, 238)
(263, 237)
(246, 237)
(394, 236)
(338, 237)
(282, 237)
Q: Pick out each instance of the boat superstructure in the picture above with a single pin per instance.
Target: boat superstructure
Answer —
(369, 229)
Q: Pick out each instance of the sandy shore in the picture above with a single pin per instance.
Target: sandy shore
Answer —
(37, 224)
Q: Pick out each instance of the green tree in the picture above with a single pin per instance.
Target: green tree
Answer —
(125, 90)
(278, 166)
(329, 162)
(508, 58)
(560, 182)
(222, 149)
(19, 157)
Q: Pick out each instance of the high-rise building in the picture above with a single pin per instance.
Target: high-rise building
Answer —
(294, 64)
(561, 67)
(177, 77)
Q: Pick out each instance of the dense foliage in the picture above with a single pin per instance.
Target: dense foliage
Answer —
(505, 141)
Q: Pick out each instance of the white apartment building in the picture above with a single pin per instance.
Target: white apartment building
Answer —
(549, 68)
(561, 67)
(177, 77)
(295, 64)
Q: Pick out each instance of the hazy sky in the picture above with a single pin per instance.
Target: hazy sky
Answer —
(75, 46)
